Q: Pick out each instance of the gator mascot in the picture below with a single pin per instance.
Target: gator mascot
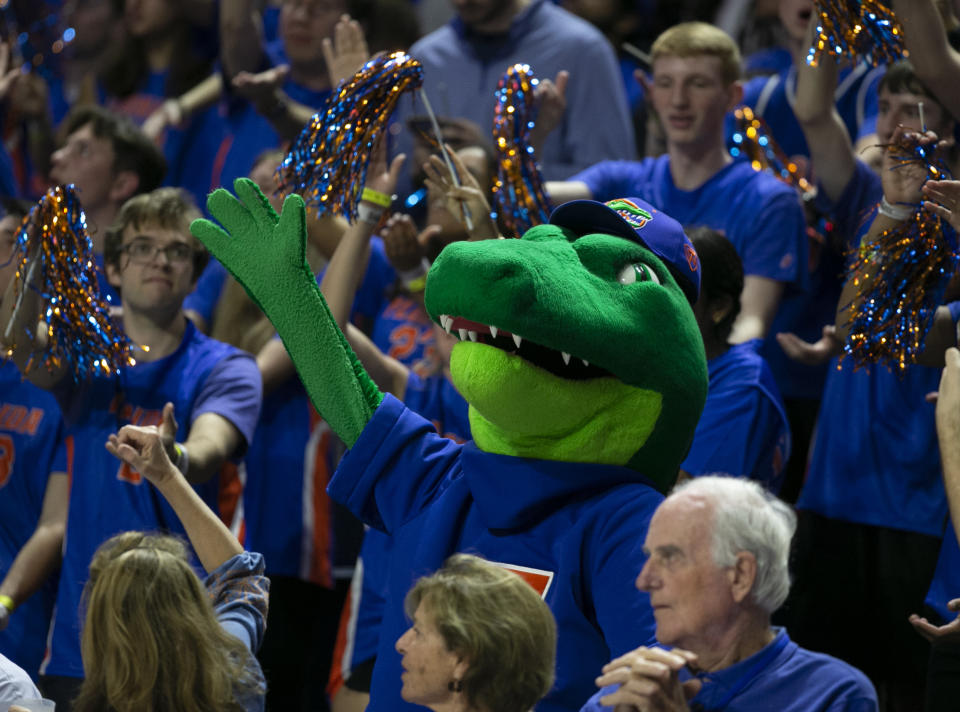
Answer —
(585, 374)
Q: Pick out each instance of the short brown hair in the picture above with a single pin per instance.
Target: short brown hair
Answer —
(495, 620)
(132, 150)
(692, 38)
(169, 208)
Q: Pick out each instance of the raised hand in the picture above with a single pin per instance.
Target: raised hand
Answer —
(902, 180)
(263, 88)
(403, 244)
(381, 177)
(467, 195)
(267, 255)
(815, 353)
(347, 52)
(258, 247)
(949, 631)
(551, 99)
(145, 448)
(942, 197)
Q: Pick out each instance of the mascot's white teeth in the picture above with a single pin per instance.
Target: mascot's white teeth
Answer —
(568, 366)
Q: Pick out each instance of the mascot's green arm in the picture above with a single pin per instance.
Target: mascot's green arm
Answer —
(266, 253)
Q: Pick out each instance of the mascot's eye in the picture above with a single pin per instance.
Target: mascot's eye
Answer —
(637, 272)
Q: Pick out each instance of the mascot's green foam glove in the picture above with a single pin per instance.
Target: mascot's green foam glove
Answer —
(267, 255)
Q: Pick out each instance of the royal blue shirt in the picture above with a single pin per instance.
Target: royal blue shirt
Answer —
(773, 98)
(32, 447)
(743, 430)
(782, 677)
(577, 528)
(106, 495)
(875, 457)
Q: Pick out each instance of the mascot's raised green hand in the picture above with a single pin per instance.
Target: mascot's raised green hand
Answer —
(267, 255)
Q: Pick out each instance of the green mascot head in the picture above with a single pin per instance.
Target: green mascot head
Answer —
(578, 342)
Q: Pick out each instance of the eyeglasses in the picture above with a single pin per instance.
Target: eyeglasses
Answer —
(145, 251)
(314, 8)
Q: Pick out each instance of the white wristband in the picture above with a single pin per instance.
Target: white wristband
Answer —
(183, 459)
(894, 212)
(369, 213)
(408, 275)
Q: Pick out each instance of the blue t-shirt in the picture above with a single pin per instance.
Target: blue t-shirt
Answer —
(782, 677)
(759, 214)
(31, 447)
(106, 495)
(772, 98)
(404, 331)
(875, 457)
(743, 430)
(577, 529)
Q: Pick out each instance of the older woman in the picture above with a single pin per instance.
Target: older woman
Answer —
(482, 640)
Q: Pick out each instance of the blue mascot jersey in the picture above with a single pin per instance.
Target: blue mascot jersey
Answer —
(438, 401)
(578, 529)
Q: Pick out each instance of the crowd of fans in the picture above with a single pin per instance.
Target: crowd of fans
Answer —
(837, 520)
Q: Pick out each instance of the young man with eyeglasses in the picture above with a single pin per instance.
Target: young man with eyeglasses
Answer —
(213, 389)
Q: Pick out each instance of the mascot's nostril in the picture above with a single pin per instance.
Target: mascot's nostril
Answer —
(508, 271)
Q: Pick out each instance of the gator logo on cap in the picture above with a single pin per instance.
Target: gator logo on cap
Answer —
(635, 216)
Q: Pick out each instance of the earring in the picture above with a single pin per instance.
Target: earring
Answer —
(455, 686)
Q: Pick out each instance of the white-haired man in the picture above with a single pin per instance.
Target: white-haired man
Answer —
(717, 569)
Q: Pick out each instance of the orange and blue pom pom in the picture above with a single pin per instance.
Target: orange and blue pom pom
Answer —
(54, 250)
(518, 191)
(327, 164)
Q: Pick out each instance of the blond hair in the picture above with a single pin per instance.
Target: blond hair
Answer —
(151, 641)
(495, 620)
(689, 39)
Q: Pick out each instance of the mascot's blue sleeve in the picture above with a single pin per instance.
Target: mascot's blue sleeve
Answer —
(397, 467)
(614, 560)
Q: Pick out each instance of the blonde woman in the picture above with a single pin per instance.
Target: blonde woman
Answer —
(481, 640)
(156, 638)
